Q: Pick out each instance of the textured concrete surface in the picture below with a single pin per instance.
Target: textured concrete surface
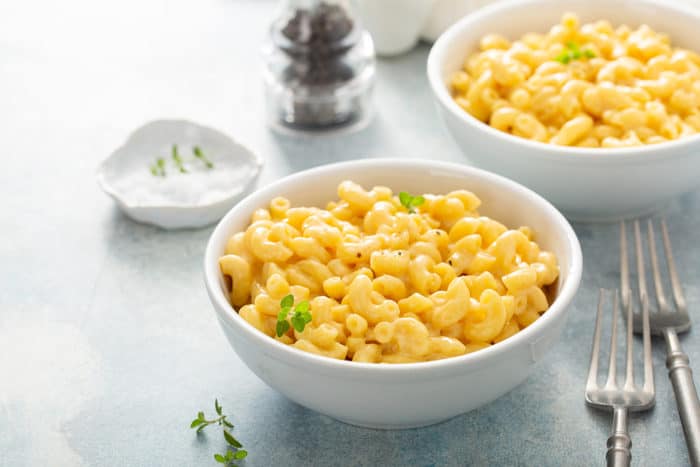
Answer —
(108, 345)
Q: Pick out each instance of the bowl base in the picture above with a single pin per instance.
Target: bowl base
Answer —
(391, 426)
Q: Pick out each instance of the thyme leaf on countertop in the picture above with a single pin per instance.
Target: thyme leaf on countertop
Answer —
(234, 452)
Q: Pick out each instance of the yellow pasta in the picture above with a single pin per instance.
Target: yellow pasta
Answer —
(388, 281)
(583, 85)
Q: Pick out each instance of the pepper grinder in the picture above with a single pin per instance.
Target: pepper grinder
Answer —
(319, 66)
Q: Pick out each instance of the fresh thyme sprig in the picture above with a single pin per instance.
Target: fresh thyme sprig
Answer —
(178, 160)
(235, 451)
(230, 456)
(300, 318)
(158, 167)
(410, 202)
(201, 422)
(200, 155)
(573, 52)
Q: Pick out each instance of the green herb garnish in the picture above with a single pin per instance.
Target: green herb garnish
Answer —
(300, 318)
(573, 52)
(410, 202)
(231, 455)
(200, 155)
(158, 168)
(177, 159)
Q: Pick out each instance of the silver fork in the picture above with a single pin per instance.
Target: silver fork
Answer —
(667, 323)
(611, 396)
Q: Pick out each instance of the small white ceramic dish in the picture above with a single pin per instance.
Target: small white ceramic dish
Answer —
(402, 395)
(587, 184)
(178, 200)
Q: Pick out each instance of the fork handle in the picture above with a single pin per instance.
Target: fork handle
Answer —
(681, 376)
(619, 442)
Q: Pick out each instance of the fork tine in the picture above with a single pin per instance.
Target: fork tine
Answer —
(644, 301)
(629, 365)
(648, 364)
(675, 282)
(612, 365)
(658, 285)
(624, 267)
(641, 275)
(595, 348)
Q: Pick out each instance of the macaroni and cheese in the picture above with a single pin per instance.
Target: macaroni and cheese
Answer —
(388, 280)
(587, 85)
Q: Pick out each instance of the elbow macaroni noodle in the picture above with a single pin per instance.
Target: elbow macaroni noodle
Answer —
(624, 88)
(387, 285)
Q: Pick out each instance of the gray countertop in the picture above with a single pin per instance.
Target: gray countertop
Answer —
(108, 344)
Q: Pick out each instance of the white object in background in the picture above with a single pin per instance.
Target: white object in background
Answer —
(394, 25)
(412, 394)
(178, 200)
(446, 13)
(590, 184)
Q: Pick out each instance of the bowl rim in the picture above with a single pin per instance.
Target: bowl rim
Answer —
(439, 53)
(296, 357)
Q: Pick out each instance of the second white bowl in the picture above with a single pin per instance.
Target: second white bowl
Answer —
(587, 184)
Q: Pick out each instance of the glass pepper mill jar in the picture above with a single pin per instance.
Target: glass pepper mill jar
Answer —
(319, 66)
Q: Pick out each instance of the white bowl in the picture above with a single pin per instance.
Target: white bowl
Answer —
(587, 184)
(446, 13)
(202, 200)
(413, 394)
(395, 25)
